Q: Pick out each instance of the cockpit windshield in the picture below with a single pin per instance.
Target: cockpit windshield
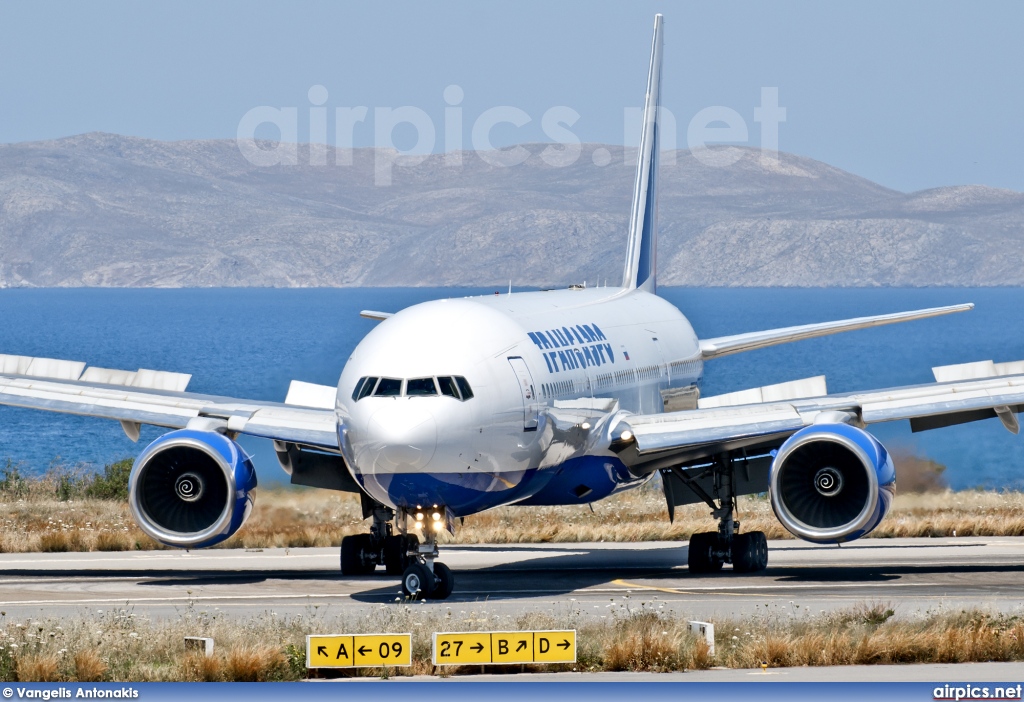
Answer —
(447, 385)
(419, 387)
(388, 387)
(454, 386)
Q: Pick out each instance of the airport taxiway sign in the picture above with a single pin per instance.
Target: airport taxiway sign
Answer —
(358, 650)
(490, 647)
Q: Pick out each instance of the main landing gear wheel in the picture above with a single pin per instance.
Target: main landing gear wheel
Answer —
(703, 555)
(749, 552)
(357, 555)
(396, 552)
(710, 550)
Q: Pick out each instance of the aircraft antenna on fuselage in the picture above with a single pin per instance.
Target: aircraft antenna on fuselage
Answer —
(641, 258)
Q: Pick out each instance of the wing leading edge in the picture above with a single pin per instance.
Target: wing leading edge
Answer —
(663, 440)
(725, 345)
(305, 419)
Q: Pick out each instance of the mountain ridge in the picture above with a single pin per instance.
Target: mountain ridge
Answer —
(108, 210)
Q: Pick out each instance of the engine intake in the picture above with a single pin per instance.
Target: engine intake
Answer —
(191, 489)
(831, 483)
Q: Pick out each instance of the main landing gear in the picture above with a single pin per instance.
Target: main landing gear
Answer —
(423, 577)
(710, 550)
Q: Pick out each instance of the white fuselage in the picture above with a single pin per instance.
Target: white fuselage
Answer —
(522, 355)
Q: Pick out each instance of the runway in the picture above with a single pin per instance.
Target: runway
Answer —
(911, 574)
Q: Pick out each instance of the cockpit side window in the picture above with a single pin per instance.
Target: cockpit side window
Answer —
(420, 387)
(388, 387)
(467, 392)
(363, 388)
(447, 384)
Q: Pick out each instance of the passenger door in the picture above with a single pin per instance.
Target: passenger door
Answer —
(529, 393)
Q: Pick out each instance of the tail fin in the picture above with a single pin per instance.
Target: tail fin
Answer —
(641, 256)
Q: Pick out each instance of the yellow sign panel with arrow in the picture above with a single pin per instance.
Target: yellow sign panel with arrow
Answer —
(494, 647)
(358, 650)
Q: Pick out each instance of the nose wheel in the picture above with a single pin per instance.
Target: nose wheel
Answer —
(423, 576)
(427, 578)
(420, 583)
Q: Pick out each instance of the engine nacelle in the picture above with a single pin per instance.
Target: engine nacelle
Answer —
(191, 489)
(831, 483)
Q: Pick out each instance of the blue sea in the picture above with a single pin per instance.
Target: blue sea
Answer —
(251, 342)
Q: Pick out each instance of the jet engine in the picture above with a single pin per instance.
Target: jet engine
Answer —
(191, 489)
(831, 483)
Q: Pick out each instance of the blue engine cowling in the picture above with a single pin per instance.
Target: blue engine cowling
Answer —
(831, 483)
(191, 489)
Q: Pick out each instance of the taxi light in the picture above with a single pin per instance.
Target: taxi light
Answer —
(438, 526)
(626, 435)
(585, 426)
(436, 516)
(419, 516)
(417, 525)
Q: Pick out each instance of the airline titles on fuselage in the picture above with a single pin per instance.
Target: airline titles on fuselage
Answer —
(569, 348)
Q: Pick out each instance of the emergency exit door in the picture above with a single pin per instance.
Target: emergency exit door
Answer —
(529, 393)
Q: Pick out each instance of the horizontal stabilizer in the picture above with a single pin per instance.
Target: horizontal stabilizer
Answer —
(303, 394)
(379, 316)
(792, 390)
(725, 345)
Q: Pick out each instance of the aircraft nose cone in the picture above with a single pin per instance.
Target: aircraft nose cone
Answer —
(405, 436)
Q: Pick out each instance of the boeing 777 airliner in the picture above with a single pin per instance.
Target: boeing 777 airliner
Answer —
(452, 407)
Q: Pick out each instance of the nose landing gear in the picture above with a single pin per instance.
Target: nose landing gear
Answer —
(423, 577)
(426, 577)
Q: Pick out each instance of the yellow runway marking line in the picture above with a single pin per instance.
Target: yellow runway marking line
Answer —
(758, 590)
(751, 590)
(670, 591)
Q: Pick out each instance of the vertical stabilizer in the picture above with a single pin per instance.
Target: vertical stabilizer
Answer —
(641, 255)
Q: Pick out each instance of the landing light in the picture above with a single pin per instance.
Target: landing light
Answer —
(438, 526)
(585, 426)
(626, 435)
(419, 516)
(436, 516)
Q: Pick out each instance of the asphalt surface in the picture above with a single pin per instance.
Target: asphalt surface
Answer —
(911, 575)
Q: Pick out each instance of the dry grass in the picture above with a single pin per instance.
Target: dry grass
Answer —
(34, 517)
(259, 663)
(89, 667)
(626, 635)
(197, 667)
(293, 518)
(38, 667)
(860, 637)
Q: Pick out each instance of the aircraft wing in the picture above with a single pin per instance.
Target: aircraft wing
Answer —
(671, 439)
(725, 345)
(159, 398)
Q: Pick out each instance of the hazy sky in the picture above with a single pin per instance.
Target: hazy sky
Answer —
(910, 94)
